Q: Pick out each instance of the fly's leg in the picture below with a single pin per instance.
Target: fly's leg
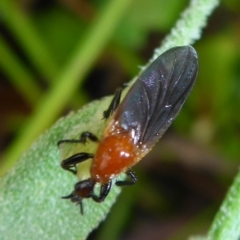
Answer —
(83, 138)
(103, 192)
(133, 179)
(70, 163)
(88, 135)
(113, 105)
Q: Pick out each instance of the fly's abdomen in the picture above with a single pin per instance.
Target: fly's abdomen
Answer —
(115, 154)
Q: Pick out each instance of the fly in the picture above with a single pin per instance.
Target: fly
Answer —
(135, 124)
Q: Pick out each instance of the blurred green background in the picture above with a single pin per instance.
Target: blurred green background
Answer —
(184, 179)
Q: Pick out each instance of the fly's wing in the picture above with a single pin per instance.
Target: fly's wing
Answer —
(158, 94)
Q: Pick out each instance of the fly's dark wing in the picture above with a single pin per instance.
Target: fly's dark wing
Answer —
(158, 94)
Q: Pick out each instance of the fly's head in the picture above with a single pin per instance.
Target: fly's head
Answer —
(82, 189)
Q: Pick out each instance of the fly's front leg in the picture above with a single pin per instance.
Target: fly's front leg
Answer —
(113, 105)
(83, 138)
(70, 163)
(103, 192)
(133, 179)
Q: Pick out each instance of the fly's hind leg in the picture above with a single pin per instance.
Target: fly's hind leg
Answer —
(113, 105)
(70, 163)
(133, 179)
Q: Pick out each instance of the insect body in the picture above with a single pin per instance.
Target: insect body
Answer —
(135, 124)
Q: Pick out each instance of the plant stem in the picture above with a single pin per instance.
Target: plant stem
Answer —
(23, 29)
(67, 82)
(21, 78)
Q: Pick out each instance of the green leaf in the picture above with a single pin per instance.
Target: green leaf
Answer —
(30, 197)
(226, 224)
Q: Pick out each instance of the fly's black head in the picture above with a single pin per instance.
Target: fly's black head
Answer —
(83, 189)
